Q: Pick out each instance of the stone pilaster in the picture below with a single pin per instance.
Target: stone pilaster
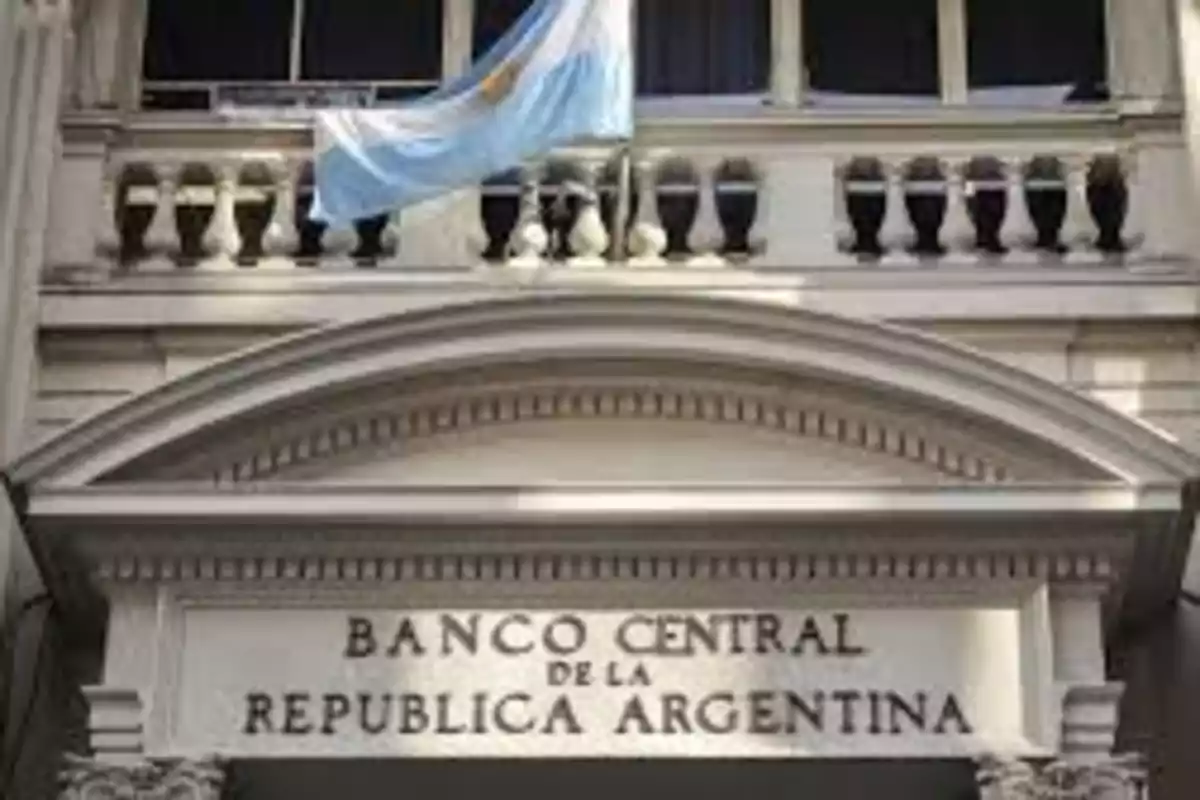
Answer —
(1143, 57)
(176, 779)
(1085, 769)
(116, 726)
(1090, 715)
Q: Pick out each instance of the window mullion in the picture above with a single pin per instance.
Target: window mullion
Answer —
(1139, 66)
(458, 29)
(135, 20)
(296, 50)
(952, 50)
(787, 52)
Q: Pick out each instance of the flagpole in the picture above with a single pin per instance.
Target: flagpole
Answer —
(625, 154)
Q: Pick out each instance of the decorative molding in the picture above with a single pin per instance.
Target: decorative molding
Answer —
(1119, 777)
(732, 405)
(583, 330)
(175, 779)
(1150, 291)
(921, 130)
(791, 568)
(116, 724)
(1090, 718)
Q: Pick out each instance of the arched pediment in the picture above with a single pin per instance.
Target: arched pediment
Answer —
(370, 399)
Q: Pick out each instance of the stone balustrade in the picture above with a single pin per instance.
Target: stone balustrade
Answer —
(774, 204)
(253, 212)
(1071, 207)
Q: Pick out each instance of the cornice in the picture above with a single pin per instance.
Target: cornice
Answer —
(1065, 566)
(709, 124)
(298, 534)
(329, 506)
(1094, 538)
(581, 329)
(1142, 293)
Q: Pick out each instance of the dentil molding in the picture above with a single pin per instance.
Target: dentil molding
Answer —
(1064, 565)
(426, 420)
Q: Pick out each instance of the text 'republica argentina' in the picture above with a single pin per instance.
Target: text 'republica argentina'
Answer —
(578, 691)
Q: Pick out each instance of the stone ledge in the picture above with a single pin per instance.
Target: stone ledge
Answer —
(305, 296)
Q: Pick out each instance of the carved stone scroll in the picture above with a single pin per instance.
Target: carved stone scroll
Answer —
(85, 778)
(1118, 777)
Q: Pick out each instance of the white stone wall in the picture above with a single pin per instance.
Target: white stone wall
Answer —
(1138, 356)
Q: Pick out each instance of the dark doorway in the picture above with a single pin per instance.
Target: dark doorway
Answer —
(668, 779)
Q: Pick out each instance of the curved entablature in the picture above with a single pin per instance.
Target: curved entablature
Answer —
(594, 420)
(291, 405)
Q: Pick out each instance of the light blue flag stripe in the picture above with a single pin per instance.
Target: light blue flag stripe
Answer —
(563, 73)
(528, 27)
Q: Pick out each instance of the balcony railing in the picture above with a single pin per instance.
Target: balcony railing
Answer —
(746, 195)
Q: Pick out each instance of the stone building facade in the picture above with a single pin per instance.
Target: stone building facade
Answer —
(862, 462)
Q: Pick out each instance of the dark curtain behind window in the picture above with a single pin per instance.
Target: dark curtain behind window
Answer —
(703, 46)
(492, 19)
(684, 46)
(872, 46)
(217, 40)
(1036, 42)
(372, 39)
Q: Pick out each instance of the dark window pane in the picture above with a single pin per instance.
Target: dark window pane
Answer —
(703, 46)
(884, 47)
(1036, 43)
(215, 40)
(372, 39)
(176, 99)
(492, 19)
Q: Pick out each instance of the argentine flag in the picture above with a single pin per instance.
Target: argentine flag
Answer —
(562, 74)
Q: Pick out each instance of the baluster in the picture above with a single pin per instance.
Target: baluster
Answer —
(843, 228)
(162, 234)
(958, 229)
(647, 237)
(1017, 231)
(1079, 230)
(896, 234)
(475, 236)
(222, 240)
(706, 236)
(1134, 230)
(281, 239)
(529, 238)
(589, 237)
(108, 230)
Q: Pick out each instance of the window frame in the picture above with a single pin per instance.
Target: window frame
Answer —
(786, 80)
(293, 78)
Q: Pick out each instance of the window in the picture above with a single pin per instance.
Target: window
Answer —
(713, 47)
(1036, 51)
(201, 54)
(375, 40)
(871, 48)
(684, 47)
(218, 40)
(492, 19)
(289, 43)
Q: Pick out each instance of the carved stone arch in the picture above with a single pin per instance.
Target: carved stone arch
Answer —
(860, 384)
(640, 408)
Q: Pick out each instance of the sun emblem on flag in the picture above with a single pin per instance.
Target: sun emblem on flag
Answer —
(499, 83)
